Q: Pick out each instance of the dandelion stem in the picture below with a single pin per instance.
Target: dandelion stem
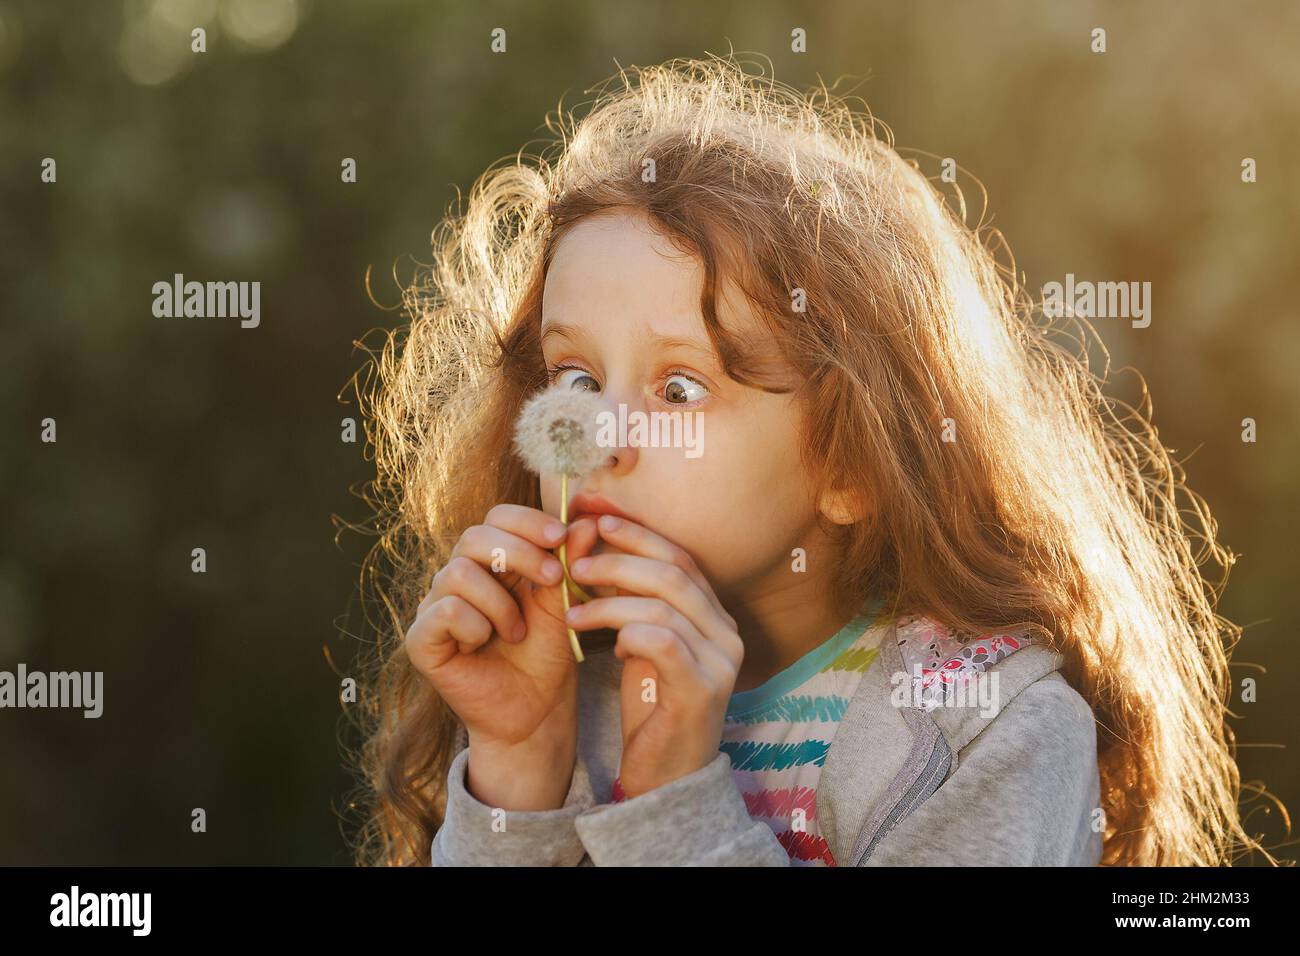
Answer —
(564, 587)
(583, 596)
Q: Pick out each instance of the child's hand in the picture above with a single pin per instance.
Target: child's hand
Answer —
(517, 693)
(679, 635)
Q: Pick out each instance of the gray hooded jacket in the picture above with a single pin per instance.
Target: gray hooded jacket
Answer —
(901, 785)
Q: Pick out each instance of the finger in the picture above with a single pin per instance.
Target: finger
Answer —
(528, 523)
(640, 540)
(582, 537)
(618, 612)
(584, 540)
(503, 551)
(678, 670)
(637, 539)
(448, 626)
(652, 578)
(467, 579)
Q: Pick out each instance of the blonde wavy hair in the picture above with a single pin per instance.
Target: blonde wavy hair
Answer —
(1050, 509)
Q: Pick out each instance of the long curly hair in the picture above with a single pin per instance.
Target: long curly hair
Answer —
(1009, 490)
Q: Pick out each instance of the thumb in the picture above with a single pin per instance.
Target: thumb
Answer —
(582, 538)
(583, 535)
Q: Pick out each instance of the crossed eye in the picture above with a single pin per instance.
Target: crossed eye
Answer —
(679, 389)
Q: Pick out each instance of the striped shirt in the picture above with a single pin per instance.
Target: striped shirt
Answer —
(778, 735)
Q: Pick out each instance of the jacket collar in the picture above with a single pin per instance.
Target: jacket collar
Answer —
(889, 754)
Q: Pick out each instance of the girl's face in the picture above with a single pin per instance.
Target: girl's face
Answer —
(621, 318)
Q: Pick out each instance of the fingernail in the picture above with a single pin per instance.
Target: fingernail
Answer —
(573, 613)
(609, 523)
(551, 570)
(581, 565)
(520, 630)
(554, 531)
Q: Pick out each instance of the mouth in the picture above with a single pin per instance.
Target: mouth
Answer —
(586, 503)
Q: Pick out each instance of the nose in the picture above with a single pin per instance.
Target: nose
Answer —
(621, 461)
(621, 457)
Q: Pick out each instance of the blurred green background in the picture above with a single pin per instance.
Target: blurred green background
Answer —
(176, 433)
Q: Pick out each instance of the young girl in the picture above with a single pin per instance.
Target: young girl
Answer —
(906, 488)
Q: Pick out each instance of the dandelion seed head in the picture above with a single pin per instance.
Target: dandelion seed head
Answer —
(556, 433)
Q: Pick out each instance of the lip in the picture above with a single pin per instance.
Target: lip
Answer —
(587, 503)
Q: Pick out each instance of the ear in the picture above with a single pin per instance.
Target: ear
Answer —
(843, 507)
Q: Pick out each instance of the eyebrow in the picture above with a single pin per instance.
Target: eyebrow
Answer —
(663, 341)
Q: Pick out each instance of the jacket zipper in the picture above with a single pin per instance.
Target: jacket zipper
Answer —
(927, 781)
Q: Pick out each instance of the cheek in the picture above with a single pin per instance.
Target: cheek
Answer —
(743, 502)
(772, 500)
(754, 472)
